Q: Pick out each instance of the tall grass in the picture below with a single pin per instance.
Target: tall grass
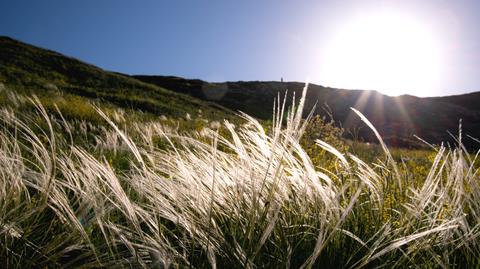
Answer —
(238, 198)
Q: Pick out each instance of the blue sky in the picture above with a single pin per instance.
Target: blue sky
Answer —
(237, 40)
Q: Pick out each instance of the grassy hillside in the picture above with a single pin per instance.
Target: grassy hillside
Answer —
(396, 118)
(31, 69)
(26, 68)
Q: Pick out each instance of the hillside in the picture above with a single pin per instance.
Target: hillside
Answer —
(35, 70)
(29, 69)
(396, 118)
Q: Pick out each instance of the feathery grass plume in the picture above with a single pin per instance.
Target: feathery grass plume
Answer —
(237, 197)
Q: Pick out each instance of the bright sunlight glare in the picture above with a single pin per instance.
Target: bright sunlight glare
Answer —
(390, 53)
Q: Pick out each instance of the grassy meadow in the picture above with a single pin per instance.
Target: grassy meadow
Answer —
(87, 184)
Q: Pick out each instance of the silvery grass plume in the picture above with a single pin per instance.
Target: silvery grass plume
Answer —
(237, 197)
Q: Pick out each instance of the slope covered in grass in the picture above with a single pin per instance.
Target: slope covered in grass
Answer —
(27, 68)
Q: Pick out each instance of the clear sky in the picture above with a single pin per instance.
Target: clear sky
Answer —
(422, 48)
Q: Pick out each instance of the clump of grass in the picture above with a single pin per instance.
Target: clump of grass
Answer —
(234, 197)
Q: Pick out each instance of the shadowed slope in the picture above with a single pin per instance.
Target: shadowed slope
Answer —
(396, 118)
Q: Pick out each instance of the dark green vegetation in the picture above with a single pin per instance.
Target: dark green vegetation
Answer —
(396, 118)
(89, 178)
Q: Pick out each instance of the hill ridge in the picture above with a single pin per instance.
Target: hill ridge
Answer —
(398, 119)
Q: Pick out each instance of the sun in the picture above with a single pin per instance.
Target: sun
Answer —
(387, 52)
